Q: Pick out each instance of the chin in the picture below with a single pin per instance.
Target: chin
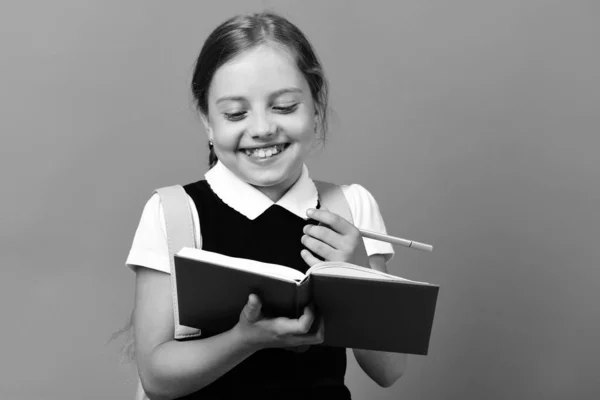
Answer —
(266, 181)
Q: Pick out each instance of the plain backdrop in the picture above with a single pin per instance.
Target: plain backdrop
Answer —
(473, 123)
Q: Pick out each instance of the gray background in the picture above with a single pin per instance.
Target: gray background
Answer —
(474, 124)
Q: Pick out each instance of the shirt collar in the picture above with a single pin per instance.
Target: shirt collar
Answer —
(250, 202)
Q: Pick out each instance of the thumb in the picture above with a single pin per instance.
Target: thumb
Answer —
(252, 308)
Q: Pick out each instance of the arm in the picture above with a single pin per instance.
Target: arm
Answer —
(383, 367)
(170, 369)
(337, 240)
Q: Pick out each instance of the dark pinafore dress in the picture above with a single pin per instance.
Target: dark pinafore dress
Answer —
(273, 237)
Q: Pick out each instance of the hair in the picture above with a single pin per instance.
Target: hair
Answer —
(228, 40)
(244, 32)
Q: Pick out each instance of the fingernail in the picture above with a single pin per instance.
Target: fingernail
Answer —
(310, 212)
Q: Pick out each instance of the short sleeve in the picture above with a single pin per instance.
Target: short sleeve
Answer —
(149, 248)
(366, 215)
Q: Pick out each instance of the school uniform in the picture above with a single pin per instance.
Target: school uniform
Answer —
(239, 221)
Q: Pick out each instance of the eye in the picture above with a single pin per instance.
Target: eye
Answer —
(286, 109)
(235, 116)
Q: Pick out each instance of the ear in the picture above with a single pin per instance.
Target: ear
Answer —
(207, 127)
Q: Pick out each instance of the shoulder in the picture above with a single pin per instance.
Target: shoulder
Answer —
(201, 186)
(149, 241)
(361, 201)
(358, 194)
(151, 213)
(149, 247)
(367, 215)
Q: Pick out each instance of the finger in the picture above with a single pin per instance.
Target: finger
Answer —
(314, 338)
(294, 327)
(252, 308)
(324, 234)
(316, 246)
(306, 320)
(334, 221)
(303, 340)
(320, 334)
(309, 258)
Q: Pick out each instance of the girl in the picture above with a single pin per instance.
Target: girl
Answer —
(262, 97)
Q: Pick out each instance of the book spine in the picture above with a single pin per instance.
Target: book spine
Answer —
(297, 300)
(302, 296)
(298, 306)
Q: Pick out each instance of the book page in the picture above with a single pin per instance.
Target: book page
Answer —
(244, 264)
(354, 271)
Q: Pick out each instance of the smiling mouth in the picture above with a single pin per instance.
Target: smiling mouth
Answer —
(262, 153)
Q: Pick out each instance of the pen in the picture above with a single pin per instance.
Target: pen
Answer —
(395, 240)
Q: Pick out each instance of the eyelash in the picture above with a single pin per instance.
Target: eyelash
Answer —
(238, 116)
(234, 116)
(287, 109)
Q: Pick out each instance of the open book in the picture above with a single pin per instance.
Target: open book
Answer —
(360, 307)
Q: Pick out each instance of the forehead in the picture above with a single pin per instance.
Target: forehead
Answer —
(257, 72)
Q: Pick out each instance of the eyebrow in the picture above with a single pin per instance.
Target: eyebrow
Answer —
(272, 95)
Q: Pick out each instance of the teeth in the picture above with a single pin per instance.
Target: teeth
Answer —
(264, 152)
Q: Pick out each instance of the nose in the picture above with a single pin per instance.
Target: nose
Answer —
(261, 127)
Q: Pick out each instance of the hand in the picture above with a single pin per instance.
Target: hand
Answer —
(260, 333)
(337, 241)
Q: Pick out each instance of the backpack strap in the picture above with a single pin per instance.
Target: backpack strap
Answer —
(333, 199)
(180, 233)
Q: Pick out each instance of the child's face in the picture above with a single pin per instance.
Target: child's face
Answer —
(261, 100)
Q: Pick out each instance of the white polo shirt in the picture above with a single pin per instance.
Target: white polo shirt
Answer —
(149, 248)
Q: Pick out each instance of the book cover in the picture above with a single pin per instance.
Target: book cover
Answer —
(360, 309)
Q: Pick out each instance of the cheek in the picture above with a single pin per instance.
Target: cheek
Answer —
(225, 137)
(301, 129)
